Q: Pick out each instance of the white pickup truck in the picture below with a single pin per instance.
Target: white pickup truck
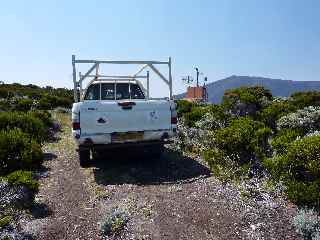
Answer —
(115, 112)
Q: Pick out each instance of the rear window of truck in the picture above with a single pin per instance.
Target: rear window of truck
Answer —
(107, 91)
(112, 91)
(93, 92)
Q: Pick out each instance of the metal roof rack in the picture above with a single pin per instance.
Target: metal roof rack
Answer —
(97, 76)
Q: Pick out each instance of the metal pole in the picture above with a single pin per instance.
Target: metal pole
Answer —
(74, 76)
(81, 90)
(97, 70)
(170, 78)
(121, 62)
(115, 76)
(197, 76)
(148, 87)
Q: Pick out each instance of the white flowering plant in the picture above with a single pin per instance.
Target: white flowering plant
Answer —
(307, 119)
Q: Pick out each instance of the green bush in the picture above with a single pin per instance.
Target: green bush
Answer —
(237, 136)
(304, 193)
(249, 95)
(305, 99)
(45, 104)
(219, 112)
(44, 116)
(220, 164)
(274, 111)
(114, 222)
(243, 137)
(195, 115)
(4, 93)
(49, 101)
(207, 117)
(299, 169)
(5, 105)
(55, 96)
(225, 167)
(307, 223)
(23, 104)
(28, 123)
(260, 142)
(5, 221)
(17, 151)
(184, 106)
(282, 141)
(23, 178)
(234, 149)
(64, 102)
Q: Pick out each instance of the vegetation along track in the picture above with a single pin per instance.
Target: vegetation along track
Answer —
(174, 197)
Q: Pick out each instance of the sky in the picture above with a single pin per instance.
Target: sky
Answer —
(271, 38)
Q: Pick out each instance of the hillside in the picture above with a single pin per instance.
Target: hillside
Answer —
(278, 87)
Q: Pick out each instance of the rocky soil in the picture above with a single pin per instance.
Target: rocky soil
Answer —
(174, 197)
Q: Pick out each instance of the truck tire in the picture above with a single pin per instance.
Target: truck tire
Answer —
(156, 151)
(84, 158)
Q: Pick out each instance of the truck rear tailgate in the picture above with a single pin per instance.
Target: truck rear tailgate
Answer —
(99, 117)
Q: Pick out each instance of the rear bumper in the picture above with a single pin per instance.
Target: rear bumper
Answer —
(106, 139)
(123, 145)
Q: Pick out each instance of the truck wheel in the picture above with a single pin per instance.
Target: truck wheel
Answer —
(84, 158)
(156, 151)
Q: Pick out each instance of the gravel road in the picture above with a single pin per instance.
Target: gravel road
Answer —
(174, 197)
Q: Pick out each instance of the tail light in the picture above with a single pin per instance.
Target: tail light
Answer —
(174, 120)
(76, 126)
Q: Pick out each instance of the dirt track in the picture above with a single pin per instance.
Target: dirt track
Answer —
(174, 197)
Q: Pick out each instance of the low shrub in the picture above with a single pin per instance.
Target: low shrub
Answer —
(64, 102)
(247, 94)
(307, 119)
(5, 221)
(235, 151)
(260, 142)
(184, 106)
(219, 112)
(213, 119)
(223, 166)
(242, 137)
(23, 178)
(209, 122)
(275, 110)
(299, 169)
(45, 104)
(305, 99)
(194, 115)
(48, 102)
(44, 116)
(194, 112)
(236, 137)
(4, 105)
(23, 104)
(307, 223)
(114, 222)
(246, 101)
(284, 138)
(27, 122)
(62, 110)
(18, 151)
(4, 93)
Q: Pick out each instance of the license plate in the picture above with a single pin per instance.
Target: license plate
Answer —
(128, 136)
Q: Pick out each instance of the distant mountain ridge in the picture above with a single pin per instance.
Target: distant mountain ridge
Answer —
(278, 87)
